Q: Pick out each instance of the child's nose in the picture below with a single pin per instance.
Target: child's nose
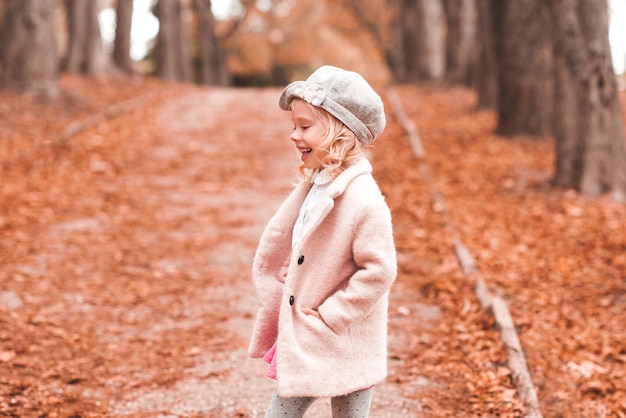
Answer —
(294, 135)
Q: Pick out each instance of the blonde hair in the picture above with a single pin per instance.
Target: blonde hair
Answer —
(341, 145)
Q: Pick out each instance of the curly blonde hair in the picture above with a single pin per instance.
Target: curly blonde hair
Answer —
(341, 145)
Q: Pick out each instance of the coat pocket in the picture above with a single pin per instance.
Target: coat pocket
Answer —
(315, 327)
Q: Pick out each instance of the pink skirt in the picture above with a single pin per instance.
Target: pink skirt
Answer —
(270, 358)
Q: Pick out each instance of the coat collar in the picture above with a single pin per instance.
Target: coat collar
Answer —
(338, 186)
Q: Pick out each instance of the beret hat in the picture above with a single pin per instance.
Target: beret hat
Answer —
(345, 95)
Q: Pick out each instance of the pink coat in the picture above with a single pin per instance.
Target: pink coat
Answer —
(343, 266)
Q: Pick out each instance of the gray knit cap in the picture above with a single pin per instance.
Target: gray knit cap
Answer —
(345, 95)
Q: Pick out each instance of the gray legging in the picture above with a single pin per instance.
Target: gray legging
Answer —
(353, 405)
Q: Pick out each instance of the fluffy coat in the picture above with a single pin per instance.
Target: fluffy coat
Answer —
(343, 267)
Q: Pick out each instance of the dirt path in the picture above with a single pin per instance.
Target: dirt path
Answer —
(256, 137)
(248, 168)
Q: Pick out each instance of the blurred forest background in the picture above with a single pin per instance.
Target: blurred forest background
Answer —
(545, 67)
(105, 200)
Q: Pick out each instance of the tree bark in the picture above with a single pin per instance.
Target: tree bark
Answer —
(587, 124)
(121, 46)
(422, 40)
(213, 70)
(171, 50)
(396, 55)
(2, 25)
(487, 63)
(524, 57)
(461, 42)
(29, 53)
(86, 53)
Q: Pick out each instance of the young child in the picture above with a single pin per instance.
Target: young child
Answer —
(326, 260)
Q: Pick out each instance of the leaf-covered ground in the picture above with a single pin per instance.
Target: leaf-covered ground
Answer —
(558, 258)
(130, 210)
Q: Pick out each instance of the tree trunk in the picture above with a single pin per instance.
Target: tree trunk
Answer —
(121, 46)
(487, 63)
(171, 51)
(86, 53)
(461, 42)
(2, 25)
(525, 70)
(588, 128)
(29, 52)
(396, 55)
(213, 70)
(422, 39)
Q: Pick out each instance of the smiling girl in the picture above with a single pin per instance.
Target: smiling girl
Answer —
(326, 260)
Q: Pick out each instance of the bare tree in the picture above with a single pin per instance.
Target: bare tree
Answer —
(29, 58)
(212, 59)
(121, 46)
(86, 53)
(524, 55)
(587, 126)
(171, 49)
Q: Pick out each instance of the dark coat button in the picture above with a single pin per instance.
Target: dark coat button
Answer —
(300, 259)
(291, 300)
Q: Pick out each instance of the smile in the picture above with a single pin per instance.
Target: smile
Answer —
(304, 153)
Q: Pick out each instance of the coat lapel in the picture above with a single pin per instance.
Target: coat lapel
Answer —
(335, 189)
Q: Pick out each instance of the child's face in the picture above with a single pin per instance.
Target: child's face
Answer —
(308, 134)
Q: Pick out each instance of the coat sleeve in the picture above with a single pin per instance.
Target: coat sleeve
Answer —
(374, 254)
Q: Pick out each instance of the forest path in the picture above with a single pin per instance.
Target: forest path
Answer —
(130, 210)
(238, 166)
(127, 248)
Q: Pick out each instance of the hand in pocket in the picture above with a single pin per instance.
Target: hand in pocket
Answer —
(313, 312)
